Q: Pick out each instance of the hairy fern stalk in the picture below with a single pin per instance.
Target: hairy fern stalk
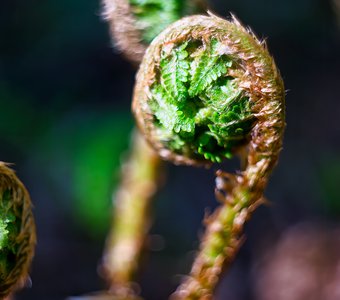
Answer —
(207, 89)
(17, 232)
(140, 180)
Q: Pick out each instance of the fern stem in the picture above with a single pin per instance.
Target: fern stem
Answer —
(140, 174)
(223, 236)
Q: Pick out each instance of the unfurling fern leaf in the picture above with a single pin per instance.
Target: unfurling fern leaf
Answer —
(166, 112)
(207, 67)
(175, 72)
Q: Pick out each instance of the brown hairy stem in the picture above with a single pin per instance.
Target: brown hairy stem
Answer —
(140, 174)
(222, 239)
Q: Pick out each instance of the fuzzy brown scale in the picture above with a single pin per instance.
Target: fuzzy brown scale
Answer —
(261, 82)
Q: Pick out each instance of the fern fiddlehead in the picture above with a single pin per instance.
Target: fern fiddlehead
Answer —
(207, 89)
(135, 23)
(17, 231)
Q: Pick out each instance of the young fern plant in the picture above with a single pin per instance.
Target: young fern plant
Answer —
(17, 232)
(135, 23)
(206, 90)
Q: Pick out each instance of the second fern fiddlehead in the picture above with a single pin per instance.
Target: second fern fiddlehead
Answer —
(206, 89)
(135, 23)
(17, 231)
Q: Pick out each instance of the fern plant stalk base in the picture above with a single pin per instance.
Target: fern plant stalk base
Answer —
(130, 225)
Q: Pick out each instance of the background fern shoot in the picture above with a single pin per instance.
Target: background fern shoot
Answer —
(17, 232)
(206, 89)
(135, 23)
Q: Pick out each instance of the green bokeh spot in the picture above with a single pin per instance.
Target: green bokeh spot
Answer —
(84, 155)
(97, 170)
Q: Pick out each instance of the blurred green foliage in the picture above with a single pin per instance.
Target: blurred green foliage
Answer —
(97, 149)
(57, 114)
(80, 151)
(84, 151)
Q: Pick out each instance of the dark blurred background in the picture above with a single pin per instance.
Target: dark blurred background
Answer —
(65, 122)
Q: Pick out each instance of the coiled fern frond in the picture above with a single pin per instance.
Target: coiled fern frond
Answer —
(17, 232)
(208, 89)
